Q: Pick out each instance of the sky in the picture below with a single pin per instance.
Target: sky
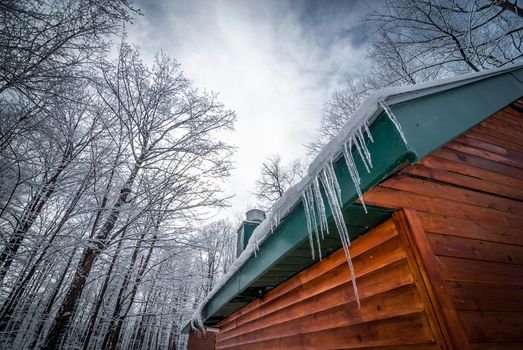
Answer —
(275, 63)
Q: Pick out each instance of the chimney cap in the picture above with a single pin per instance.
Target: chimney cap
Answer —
(255, 215)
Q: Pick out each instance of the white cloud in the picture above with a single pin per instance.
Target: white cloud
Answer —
(266, 63)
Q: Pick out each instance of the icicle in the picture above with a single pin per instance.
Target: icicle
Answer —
(314, 222)
(332, 177)
(309, 221)
(329, 186)
(274, 221)
(353, 171)
(367, 130)
(310, 198)
(364, 147)
(393, 119)
(318, 199)
(308, 202)
(357, 143)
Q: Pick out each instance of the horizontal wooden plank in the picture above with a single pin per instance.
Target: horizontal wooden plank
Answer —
(466, 270)
(390, 278)
(389, 197)
(375, 237)
(412, 329)
(513, 134)
(379, 257)
(496, 140)
(465, 181)
(478, 162)
(482, 153)
(485, 297)
(446, 245)
(456, 166)
(489, 131)
(466, 228)
(486, 326)
(398, 302)
(487, 146)
(430, 346)
(451, 192)
(496, 346)
(511, 110)
(508, 119)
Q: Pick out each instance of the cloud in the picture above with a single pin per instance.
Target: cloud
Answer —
(274, 62)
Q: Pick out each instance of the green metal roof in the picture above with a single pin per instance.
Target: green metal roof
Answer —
(430, 117)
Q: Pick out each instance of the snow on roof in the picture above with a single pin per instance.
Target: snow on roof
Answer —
(366, 113)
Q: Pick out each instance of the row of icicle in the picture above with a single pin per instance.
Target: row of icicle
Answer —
(313, 203)
(312, 200)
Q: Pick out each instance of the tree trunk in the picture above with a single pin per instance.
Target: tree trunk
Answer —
(33, 209)
(43, 318)
(101, 297)
(119, 299)
(66, 311)
(14, 297)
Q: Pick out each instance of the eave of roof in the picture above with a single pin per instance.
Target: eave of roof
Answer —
(430, 115)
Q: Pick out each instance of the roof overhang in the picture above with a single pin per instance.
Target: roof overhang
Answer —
(430, 117)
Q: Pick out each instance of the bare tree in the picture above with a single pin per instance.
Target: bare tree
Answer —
(44, 41)
(105, 167)
(338, 110)
(276, 178)
(416, 41)
(68, 131)
(423, 40)
(214, 245)
(170, 130)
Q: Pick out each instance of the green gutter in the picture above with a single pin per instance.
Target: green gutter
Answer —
(432, 121)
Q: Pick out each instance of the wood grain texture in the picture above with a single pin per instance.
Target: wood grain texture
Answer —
(468, 198)
(317, 308)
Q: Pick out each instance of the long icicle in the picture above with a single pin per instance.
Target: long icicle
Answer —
(334, 182)
(353, 171)
(328, 179)
(318, 199)
(310, 200)
(359, 145)
(310, 197)
(393, 119)
(309, 221)
(367, 130)
(364, 147)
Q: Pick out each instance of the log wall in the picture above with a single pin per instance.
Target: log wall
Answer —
(317, 308)
(469, 212)
(445, 272)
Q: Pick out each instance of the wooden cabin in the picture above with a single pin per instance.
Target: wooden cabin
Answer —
(438, 257)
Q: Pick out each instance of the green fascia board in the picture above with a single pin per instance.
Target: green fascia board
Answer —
(389, 154)
(431, 121)
(428, 122)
